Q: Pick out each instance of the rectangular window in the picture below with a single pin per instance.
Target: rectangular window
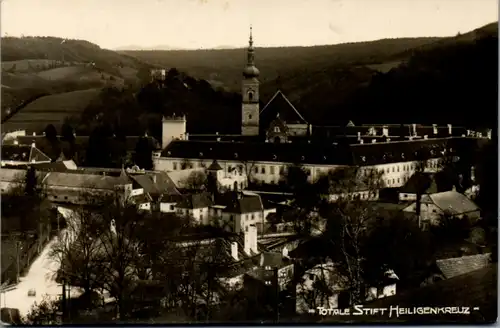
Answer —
(256, 169)
(171, 207)
(398, 168)
(282, 170)
(272, 169)
(253, 216)
(393, 169)
(175, 166)
(263, 169)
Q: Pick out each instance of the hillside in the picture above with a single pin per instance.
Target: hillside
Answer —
(37, 66)
(51, 109)
(223, 66)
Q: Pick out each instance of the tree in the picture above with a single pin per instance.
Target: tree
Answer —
(67, 136)
(348, 223)
(249, 168)
(118, 249)
(47, 312)
(78, 252)
(144, 154)
(196, 180)
(54, 149)
(99, 148)
(397, 243)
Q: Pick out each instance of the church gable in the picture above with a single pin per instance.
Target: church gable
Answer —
(280, 105)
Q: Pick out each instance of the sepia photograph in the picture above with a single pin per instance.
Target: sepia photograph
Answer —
(258, 162)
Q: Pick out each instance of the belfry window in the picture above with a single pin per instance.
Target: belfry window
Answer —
(250, 116)
(250, 96)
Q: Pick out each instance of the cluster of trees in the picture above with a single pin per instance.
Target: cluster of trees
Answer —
(111, 249)
(364, 241)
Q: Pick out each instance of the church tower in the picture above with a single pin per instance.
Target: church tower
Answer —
(250, 93)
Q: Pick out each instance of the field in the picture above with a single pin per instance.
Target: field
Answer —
(23, 80)
(51, 109)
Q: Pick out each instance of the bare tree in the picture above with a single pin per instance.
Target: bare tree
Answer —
(248, 167)
(119, 251)
(196, 180)
(78, 253)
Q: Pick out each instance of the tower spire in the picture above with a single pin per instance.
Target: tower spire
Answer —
(250, 41)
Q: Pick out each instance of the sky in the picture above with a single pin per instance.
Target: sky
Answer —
(195, 24)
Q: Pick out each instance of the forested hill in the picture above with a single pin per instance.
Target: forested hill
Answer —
(222, 67)
(451, 82)
(65, 50)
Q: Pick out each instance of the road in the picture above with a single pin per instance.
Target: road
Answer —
(40, 277)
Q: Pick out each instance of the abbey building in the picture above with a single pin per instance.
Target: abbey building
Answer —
(278, 135)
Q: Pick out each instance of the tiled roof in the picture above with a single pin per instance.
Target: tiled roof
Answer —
(82, 141)
(75, 180)
(237, 202)
(279, 104)
(461, 265)
(427, 180)
(17, 175)
(23, 153)
(272, 259)
(156, 183)
(239, 151)
(451, 202)
(315, 153)
(194, 201)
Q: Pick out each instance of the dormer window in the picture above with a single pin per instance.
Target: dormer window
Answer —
(276, 129)
(169, 153)
(402, 155)
(384, 157)
(268, 267)
(275, 157)
(324, 157)
(363, 158)
(235, 155)
(201, 154)
(303, 158)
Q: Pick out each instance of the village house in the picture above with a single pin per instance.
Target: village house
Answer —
(324, 286)
(448, 204)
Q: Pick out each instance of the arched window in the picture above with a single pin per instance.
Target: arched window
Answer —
(250, 116)
(250, 96)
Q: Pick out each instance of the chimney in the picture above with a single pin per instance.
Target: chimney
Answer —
(434, 128)
(489, 134)
(361, 141)
(34, 134)
(33, 145)
(218, 139)
(473, 174)
(251, 240)
(388, 140)
(414, 129)
(450, 128)
(187, 136)
(234, 250)
(359, 136)
(426, 137)
(154, 178)
(468, 133)
(374, 140)
(385, 131)
(16, 142)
